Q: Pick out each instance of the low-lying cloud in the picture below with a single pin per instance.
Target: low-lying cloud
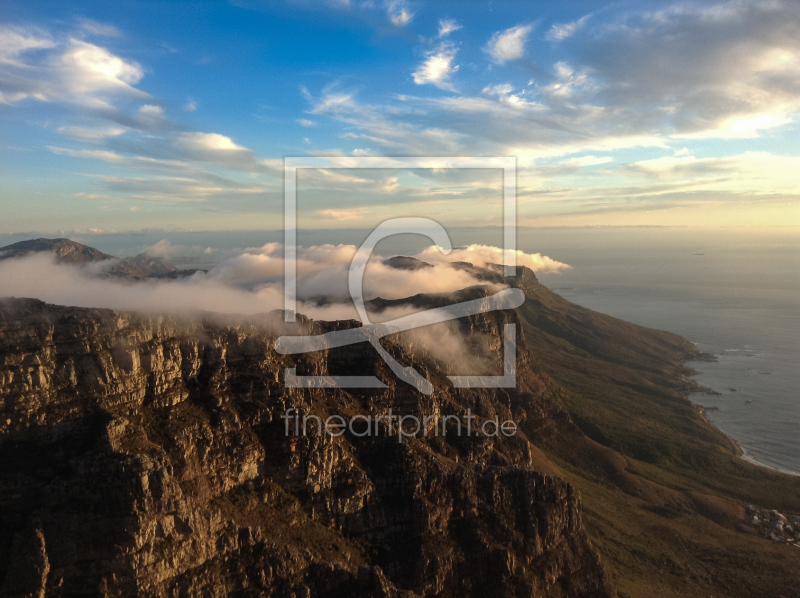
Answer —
(252, 282)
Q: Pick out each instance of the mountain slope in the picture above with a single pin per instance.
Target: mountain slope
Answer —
(664, 491)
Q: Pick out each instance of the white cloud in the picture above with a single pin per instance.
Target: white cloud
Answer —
(587, 161)
(104, 155)
(306, 123)
(560, 31)
(509, 44)
(399, 12)
(101, 29)
(384, 126)
(14, 42)
(754, 172)
(503, 92)
(75, 71)
(333, 101)
(481, 255)
(341, 214)
(87, 71)
(437, 68)
(390, 185)
(213, 142)
(151, 115)
(447, 26)
(567, 82)
(733, 72)
(90, 135)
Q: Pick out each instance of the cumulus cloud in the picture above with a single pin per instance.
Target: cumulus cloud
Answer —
(437, 68)
(322, 272)
(481, 255)
(508, 45)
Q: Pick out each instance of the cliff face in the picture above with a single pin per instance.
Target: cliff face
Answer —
(147, 456)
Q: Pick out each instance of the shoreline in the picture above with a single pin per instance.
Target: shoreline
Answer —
(737, 448)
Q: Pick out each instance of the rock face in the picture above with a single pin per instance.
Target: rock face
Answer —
(147, 456)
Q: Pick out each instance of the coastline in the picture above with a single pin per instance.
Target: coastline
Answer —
(737, 448)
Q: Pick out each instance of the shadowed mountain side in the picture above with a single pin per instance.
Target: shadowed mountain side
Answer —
(149, 457)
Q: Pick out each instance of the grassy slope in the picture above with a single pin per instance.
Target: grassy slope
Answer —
(662, 489)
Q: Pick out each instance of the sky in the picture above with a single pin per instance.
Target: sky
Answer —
(130, 116)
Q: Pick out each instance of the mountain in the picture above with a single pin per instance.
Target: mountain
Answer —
(404, 262)
(67, 251)
(148, 456)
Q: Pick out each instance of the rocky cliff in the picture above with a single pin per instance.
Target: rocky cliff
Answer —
(147, 456)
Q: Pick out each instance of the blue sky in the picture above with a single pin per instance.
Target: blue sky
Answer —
(177, 115)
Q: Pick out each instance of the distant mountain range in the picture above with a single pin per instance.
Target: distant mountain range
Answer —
(66, 251)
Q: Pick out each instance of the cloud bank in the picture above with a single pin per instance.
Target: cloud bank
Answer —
(251, 282)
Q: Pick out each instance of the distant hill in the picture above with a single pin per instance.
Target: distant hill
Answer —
(404, 262)
(67, 251)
